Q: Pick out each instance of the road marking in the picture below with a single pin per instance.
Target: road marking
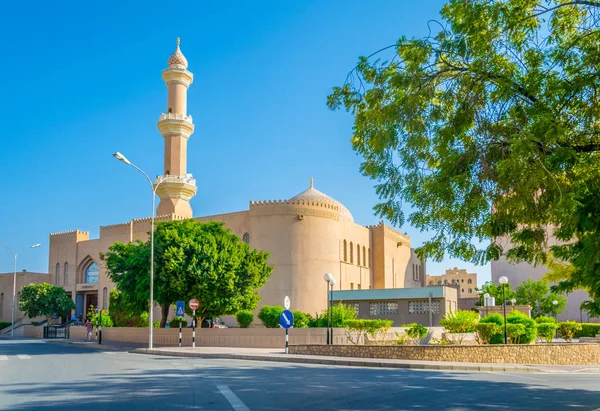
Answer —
(24, 357)
(235, 402)
(3, 357)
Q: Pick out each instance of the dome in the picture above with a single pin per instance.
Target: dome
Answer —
(314, 195)
(177, 58)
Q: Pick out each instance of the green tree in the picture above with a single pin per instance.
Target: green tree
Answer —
(269, 315)
(123, 313)
(192, 260)
(488, 129)
(537, 295)
(45, 300)
(244, 318)
(496, 291)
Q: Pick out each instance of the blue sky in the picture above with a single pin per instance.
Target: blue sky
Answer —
(82, 80)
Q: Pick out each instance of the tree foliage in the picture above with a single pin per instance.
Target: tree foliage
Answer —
(244, 318)
(496, 291)
(45, 300)
(489, 128)
(197, 260)
(460, 321)
(537, 295)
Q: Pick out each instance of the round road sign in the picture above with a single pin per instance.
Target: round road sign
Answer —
(194, 304)
(286, 302)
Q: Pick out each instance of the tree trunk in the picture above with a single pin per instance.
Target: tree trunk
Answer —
(165, 314)
(49, 320)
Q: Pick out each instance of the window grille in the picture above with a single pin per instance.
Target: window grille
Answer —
(422, 307)
(383, 308)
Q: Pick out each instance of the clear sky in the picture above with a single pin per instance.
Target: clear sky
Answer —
(82, 80)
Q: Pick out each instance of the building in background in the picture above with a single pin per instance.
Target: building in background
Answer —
(6, 292)
(460, 279)
(307, 235)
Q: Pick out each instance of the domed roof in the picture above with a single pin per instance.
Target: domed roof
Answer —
(177, 58)
(314, 195)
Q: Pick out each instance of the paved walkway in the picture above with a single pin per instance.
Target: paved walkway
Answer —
(278, 355)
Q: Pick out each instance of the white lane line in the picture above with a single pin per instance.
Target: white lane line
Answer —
(24, 357)
(235, 402)
(3, 357)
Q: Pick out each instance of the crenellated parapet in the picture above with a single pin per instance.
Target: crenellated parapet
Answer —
(70, 236)
(299, 208)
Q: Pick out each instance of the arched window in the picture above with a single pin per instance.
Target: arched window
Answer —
(246, 238)
(91, 274)
(345, 251)
(445, 282)
(431, 283)
(369, 260)
(358, 254)
(351, 250)
(469, 281)
(66, 273)
(470, 290)
(57, 273)
(439, 282)
(105, 299)
(364, 256)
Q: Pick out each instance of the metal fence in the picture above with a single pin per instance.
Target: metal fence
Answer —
(56, 332)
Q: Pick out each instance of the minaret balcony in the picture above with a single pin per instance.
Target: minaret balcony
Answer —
(175, 124)
(183, 186)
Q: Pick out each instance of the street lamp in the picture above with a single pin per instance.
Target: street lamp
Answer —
(123, 159)
(328, 278)
(555, 303)
(486, 297)
(513, 301)
(15, 254)
(503, 280)
(331, 284)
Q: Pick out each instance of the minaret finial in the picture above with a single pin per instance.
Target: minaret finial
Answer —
(311, 182)
(178, 41)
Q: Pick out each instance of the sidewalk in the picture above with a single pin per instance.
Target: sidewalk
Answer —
(278, 355)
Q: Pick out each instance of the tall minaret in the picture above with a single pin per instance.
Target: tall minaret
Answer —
(175, 188)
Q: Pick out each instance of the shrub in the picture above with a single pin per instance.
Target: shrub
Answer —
(542, 319)
(414, 333)
(103, 317)
(495, 318)
(371, 328)
(461, 321)
(244, 318)
(4, 325)
(269, 315)
(174, 323)
(301, 319)
(340, 313)
(567, 329)
(487, 331)
(546, 331)
(515, 332)
(587, 330)
(530, 325)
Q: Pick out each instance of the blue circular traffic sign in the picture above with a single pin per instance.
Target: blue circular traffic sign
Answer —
(286, 319)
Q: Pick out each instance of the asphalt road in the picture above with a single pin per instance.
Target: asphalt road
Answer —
(42, 376)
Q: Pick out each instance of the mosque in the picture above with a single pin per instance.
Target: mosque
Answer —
(307, 235)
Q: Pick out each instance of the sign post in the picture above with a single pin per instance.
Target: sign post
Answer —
(194, 304)
(180, 311)
(286, 319)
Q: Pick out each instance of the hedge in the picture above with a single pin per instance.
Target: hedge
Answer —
(244, 318)
(587, 330)
(174, 323)
(4, 325)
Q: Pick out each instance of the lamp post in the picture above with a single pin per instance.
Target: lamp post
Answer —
(513, 301)
(486, 298)
(555, 303)
(15, 255)
(331, 284)
(328, 278)
(123, 159)
(503, 280)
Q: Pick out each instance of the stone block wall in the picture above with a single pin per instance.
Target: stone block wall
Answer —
(556, 354)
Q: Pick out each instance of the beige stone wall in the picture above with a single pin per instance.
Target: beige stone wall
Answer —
(6, 292)
(556, 354)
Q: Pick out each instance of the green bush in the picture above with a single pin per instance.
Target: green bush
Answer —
(372, 328)
(340, 313)
(103, 317)
(4, 325)
(269, 315)
(416, 332)
(461, 321)
(174, 323)
(530, 325)
(486, 332)
(244, 318)
(497, 319)
(542, 319)
(587, 330)
(547, 331)
(515, 332)
(567, 329)
(301, 319)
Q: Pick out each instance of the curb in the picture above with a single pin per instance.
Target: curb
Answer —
(360, 363)
(77, 344)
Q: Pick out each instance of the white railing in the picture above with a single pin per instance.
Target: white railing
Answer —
(173, 116)
(185, 178)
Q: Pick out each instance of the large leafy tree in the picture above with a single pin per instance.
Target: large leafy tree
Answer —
(495, 291)
(490, 129)
(537, 294)
(45, 300)
(192, 260)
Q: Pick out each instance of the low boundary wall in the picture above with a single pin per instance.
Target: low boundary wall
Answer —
(555, 354)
